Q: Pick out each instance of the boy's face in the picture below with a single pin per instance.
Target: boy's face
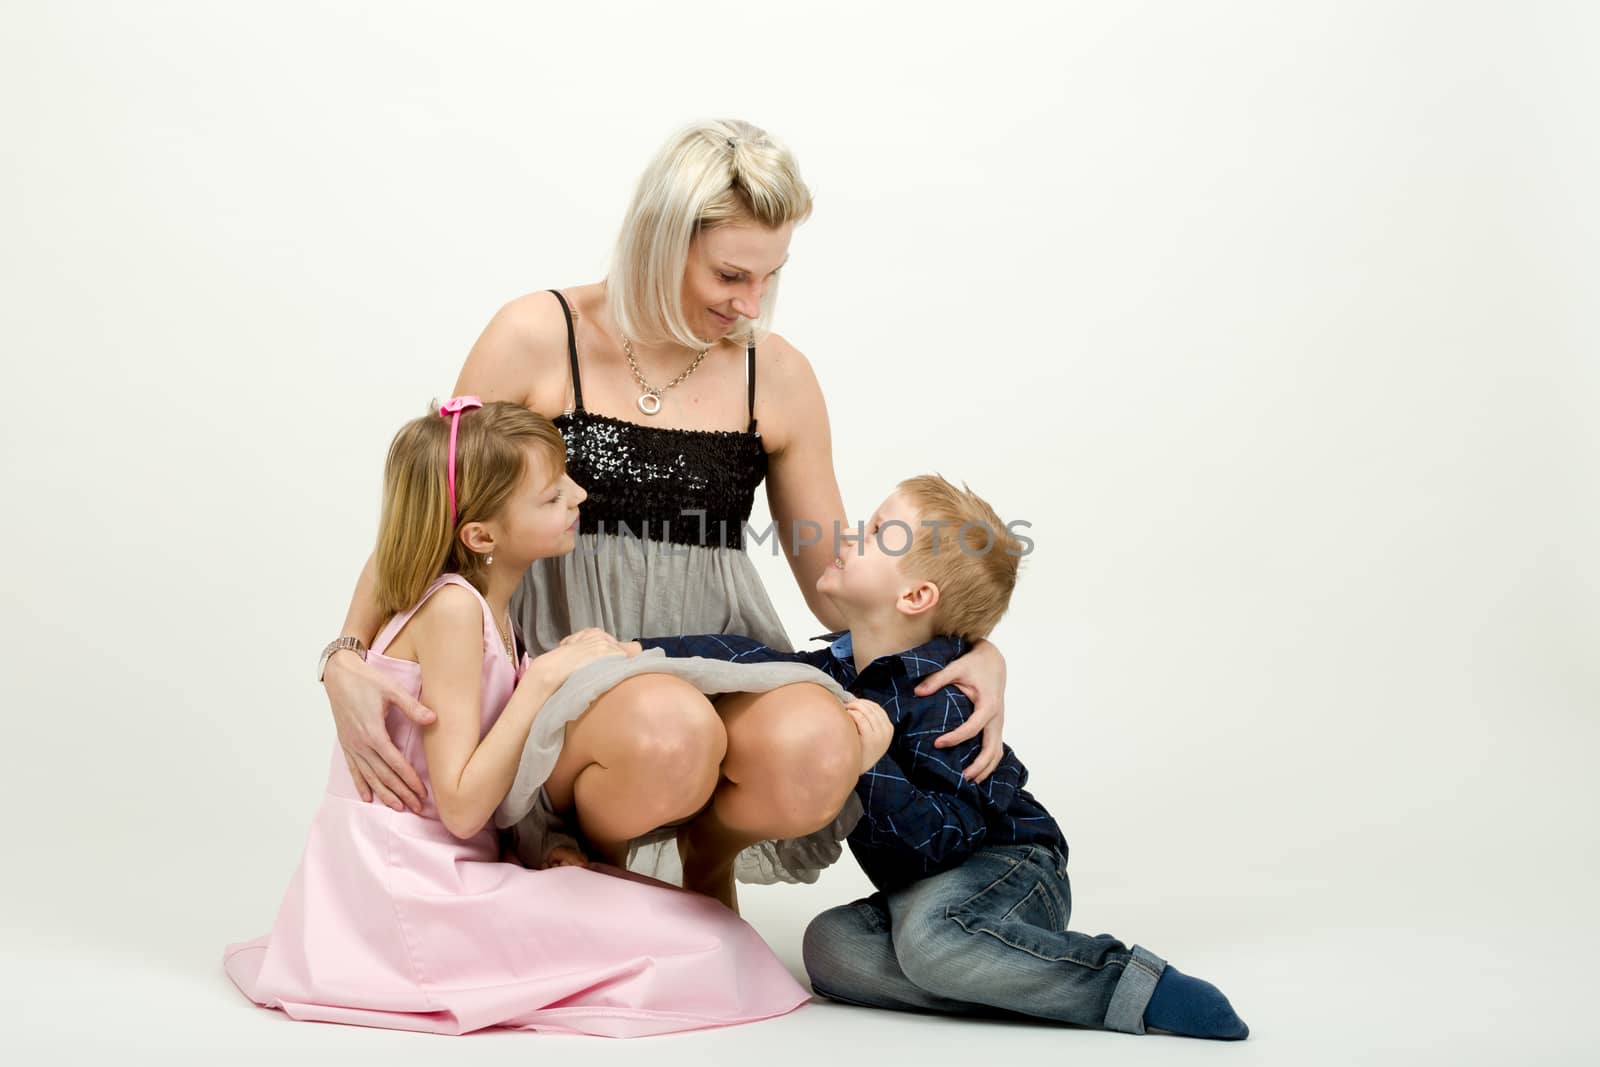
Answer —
(866, 574)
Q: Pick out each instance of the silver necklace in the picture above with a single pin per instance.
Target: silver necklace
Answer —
(650, 401)
(505, 635)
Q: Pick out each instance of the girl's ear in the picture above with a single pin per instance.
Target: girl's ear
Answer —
(476, 537)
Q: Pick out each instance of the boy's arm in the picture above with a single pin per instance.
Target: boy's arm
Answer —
(733, 648)
(916, 801)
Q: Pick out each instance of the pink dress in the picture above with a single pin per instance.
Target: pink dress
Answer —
(392, 921)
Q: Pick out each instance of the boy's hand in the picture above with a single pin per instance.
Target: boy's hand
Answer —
(872, 723)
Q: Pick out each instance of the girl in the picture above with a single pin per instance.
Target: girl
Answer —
(406, 920)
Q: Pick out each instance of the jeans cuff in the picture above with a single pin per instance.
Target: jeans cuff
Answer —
(1132, 995)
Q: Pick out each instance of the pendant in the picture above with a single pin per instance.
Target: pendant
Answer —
(650, 403)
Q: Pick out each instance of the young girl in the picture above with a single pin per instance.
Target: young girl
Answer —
(408, 921)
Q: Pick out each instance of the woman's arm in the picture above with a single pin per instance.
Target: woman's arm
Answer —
(471, 775)
(512, 360)
(360, 696)
(801, 484)
(520, 357)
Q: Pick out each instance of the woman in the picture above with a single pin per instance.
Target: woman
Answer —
(651, 376)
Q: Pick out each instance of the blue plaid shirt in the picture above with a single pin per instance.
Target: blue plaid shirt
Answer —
(921, 815)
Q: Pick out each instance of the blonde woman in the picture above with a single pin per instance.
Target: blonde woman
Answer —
(676, 402)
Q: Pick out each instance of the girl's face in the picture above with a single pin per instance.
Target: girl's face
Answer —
(540, 517)
(728, 270)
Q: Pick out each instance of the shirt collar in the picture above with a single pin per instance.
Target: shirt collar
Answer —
(928, 657)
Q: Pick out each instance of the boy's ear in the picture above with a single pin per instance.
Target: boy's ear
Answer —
(919, 600)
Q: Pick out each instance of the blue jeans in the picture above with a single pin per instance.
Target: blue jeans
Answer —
(987, 937)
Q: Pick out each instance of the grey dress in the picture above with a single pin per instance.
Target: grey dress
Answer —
(660, 551)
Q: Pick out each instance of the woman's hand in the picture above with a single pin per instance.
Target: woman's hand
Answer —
(360, 695)
(981, 675)
(577, 650)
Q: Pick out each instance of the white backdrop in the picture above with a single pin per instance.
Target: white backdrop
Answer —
(1276, 321)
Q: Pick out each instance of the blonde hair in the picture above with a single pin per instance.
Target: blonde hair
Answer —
(417, 541)
(974, 563)
(710, 174)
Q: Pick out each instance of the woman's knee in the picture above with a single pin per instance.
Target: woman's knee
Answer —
(673, 726)
(664, 727)
(811, 752)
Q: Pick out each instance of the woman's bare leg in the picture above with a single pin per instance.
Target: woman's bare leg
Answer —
(644, 754)
(793, 755)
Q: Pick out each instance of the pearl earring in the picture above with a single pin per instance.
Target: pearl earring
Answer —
(488, 561)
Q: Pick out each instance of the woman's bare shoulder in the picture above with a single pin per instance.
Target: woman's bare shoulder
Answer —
(521, 355)
(786, 364)
(788, 396)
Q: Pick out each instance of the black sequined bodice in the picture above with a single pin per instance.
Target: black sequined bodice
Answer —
(686, 487)
(653, 481)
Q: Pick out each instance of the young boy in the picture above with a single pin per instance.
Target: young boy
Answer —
(973, 898)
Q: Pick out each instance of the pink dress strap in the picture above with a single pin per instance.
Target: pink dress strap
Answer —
(392, 628)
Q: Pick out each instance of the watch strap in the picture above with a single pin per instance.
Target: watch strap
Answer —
(353, 644)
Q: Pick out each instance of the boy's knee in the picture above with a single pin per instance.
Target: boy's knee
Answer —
(824, 935)
(828, 949)
(934, 955)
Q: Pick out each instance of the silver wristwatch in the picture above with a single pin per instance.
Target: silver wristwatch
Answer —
(354, 644)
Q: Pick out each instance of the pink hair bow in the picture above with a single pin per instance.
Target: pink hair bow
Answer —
(452, 410)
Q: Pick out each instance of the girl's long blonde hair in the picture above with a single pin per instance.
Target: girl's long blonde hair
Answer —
(709, 174)
(417, 541)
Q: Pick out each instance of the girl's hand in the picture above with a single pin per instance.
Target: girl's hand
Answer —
(633, 648)
(360, 695)
(981, 675)
(872, 723)
(576, 650)
(562, 856)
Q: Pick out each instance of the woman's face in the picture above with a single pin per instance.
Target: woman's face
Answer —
(728, 270)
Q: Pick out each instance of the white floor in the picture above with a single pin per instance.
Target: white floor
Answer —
(88, 985)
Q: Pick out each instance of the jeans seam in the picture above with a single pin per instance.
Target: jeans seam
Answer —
(1036, 891)
(1011, 869)
(821, 992)
(870, 915)
(984, 929)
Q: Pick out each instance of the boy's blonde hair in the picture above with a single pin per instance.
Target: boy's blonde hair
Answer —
(417, 541)
(708, 175)
(976, 559)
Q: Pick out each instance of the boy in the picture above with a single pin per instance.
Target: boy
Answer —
(973, 898)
